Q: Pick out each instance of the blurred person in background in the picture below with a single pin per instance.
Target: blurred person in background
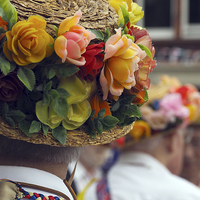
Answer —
(89, 166)
(191, 164)
(152, 153)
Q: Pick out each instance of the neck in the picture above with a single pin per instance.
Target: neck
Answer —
(59, 170)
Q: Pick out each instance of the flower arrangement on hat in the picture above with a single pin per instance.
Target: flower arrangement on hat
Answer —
(180, 106)
(79, 79)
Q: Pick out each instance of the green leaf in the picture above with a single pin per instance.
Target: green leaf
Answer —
(56, 29)
(128, 121)
(10, 121)
(27, 77)
(61, 107)
(35, 127)
(115, 106)
(93, 112)
(66, 71)
(98, 126)
(130, 110)
(48, 86)
(130, 37)
(24, 126)
(35, 95)
(106, 128)
(51, 73)
(45, 129)
(4, 65)
(63, 93)
(109, 120)
(10, 12)
(54, 94)
(146, 95)
(60, 133)
(46, 99)
(3, 15)
(39, 87)
(91, 123)
(4, 109)
(51, 45)
(119, 116)
(148, 52)
(12, 67)
(101, 113)
(107, 35)
(99, 34)
(127, 99)
(2, 30)
(17, 115)
(90, 132)
(125, 15)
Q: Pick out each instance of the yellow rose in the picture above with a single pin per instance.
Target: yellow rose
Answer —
(141, 129)
(28, 41)
(79, 106)
(135, 12)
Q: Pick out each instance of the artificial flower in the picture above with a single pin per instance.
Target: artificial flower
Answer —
(97, 104)
(72, 40)
(172, 106)
(191, 99)
(121, 61)
(140, 129)
(28, 42)
(135, 12)
(11, 88)
(115, 4)
(79, 106)
(94, 62)
(3, 25)
(147, 64)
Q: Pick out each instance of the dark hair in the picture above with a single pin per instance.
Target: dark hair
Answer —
(21, 150)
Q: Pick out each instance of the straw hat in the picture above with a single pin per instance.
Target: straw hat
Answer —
(58, 86)
(173, 107)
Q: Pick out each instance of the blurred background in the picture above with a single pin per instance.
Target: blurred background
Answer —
(174, 26)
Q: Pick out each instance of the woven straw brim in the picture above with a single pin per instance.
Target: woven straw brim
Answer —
(96, 14)
(75, 138)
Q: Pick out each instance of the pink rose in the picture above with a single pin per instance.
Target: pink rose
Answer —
(72, 40)
(172, 106)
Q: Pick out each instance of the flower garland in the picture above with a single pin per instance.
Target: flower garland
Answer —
(80, 78)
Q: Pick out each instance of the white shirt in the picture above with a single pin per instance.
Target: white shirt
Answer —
(82, 177)
(139, 176)
(36, 177)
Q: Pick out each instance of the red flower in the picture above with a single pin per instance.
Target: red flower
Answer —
(3, 24)
(185, 92)
(10, 88)
(94, 62)
(137, 33)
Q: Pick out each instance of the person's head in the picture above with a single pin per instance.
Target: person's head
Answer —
(191, 164)
(93, 157)
(166, 147)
